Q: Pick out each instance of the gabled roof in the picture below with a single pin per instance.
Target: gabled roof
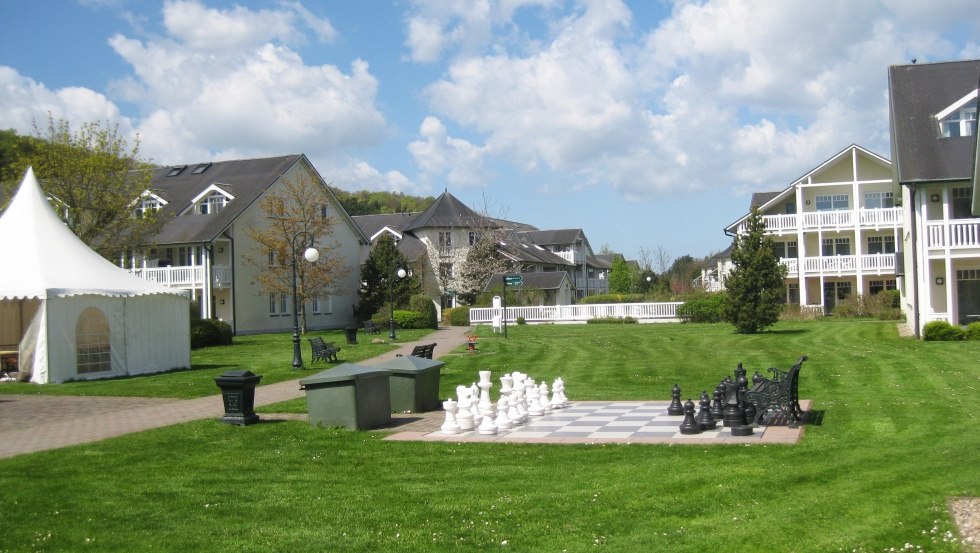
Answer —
(244, 180)
(530, 253)
(556, 236)
(917, 93)
(448, 211)
(760, 199)
(550, 280)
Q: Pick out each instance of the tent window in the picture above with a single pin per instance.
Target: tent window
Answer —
(92, 342)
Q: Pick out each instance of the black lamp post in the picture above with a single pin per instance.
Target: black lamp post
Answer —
(311, 254)
(391, 299)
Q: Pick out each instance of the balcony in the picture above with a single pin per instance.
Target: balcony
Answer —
(573, 257)
(956, 234)
(867, 218)
(879, 263)
(791, 264)
(184, 278)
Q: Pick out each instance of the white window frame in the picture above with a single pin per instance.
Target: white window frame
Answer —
(884, 200)
(834, 202)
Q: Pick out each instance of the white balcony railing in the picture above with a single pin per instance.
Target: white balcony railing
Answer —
(791, 263)
(877, 263)
(962, 234)
(870, 218)
(578, 313)
(184, 277)
(575, 258)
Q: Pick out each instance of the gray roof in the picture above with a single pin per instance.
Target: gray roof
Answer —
(916, 94)
(555, 236)
(448, 211)
(760, 199)
(530, 253)
(411, 247)
(550, 280)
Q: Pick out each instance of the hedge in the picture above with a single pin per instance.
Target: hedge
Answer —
(210, 332)
(456, 316)
(941, 331)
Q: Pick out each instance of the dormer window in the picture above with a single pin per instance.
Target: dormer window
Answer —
(148, 203)
(212, 200)
(960, 118)
(212, 203)
(176, 170)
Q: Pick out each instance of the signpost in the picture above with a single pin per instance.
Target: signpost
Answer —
(509, 280)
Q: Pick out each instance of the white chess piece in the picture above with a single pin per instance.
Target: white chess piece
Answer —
(475, 404)
(485, 406)
(503, 420)
(513, 413)
(543, 397)
(450, 426)
(534, 401)
(487, 426)
(464, 415)
(556, 402)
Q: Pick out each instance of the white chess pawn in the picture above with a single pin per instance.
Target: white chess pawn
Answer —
(464, 415)
(450, 426)
(556, 402)
(561, 392)
(543, 397)
(534, 407)
(517, 401)
(487, 426)
(503, 420)
(513, 413)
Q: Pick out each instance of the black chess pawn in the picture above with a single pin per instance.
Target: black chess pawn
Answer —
(734, 415)
(704, 418)
(675, 408)
(690, 424)
(757, 378)
(717, 407)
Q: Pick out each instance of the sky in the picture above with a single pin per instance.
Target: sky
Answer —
(646, 123)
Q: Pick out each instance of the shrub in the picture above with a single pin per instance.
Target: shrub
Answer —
(796, 312)
(704, 309)
(422, 305)
(941, 331)
(613, 298)
(521, 321)
(972, 331)
(209, 332)
(850, 307)
(456, 316)
(612, 320)
(411, 319)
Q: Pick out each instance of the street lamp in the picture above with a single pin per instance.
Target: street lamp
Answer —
(311, 254)
(391, 300)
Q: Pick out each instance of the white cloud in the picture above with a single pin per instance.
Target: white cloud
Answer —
(439, 153)
(353, 174)
(26, 102)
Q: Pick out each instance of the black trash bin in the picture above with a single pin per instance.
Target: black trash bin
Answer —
(351, 334)
(238, 395)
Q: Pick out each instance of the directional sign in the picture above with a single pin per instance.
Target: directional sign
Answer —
(513, 280)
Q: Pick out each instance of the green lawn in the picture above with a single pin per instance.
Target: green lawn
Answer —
(896, 438)
(270, 355)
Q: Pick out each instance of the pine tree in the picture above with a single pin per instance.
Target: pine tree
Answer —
(755, 286)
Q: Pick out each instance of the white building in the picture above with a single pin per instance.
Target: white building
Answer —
(933, 117)
(835, 229)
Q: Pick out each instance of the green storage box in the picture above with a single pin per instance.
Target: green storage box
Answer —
(414, 383)
(353, 396)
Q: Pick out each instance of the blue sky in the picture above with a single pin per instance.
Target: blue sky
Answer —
(648, 124)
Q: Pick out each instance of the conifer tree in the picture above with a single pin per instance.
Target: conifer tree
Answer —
(755, 285)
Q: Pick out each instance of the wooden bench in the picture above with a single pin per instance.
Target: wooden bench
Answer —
(425, 351)
(369, 326)
(323, 351)
(779, 394)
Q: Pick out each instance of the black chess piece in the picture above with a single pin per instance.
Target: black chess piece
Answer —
(734, 415)
(757, 378)
(704, 418)
(690, 424)
(717, 407)
(675, 408)
(748, 408)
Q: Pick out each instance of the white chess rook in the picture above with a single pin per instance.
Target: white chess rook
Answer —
(450, 426)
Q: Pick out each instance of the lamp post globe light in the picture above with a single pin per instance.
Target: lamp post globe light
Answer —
(311, 254)
(391, 300)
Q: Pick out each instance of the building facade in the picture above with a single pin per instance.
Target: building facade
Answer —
(835, 229)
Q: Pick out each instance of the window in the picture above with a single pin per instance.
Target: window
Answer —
(878, 200)
(785, 249)
(832, 202)
(474, 237)
(284, 304)
(316, 305)
(273, 304)
(201, 168)
(445, 271)
(793, 292)
(962, 203)
(836, 246)
(881, 244)
(93, 352)
(790, 208)
(324, 211)
(213, 203)
(322, 305)
(147, 205)
(876, 286)
(278, 304)
(176, 170)
(445, 242)
(962, 122)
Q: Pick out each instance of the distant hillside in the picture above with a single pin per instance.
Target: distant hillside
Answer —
(364, 202)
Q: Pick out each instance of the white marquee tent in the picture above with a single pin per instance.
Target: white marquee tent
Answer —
(72, 315)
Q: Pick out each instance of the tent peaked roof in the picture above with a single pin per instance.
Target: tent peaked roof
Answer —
(50, 261)
(448, 211)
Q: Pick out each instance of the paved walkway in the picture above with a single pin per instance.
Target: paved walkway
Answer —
(30, 423)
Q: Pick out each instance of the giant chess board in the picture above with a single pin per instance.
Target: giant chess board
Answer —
(617, 422)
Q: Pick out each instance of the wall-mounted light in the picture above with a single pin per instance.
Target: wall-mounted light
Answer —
(808, 202)
(221, 250)
(221, 302)
(940, 281)
(934, 197)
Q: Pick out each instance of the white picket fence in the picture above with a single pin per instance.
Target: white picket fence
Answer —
(643, 312)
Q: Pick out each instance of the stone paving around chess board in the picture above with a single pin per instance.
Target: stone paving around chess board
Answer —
(638, 422)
